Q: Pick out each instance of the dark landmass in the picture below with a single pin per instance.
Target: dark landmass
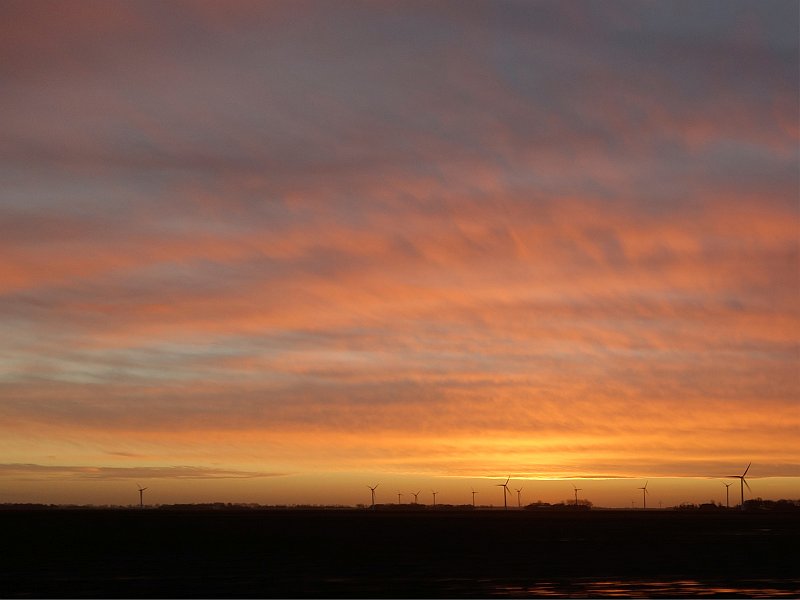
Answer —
(247, 552)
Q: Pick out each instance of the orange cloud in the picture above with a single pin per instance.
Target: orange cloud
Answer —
(238, 239)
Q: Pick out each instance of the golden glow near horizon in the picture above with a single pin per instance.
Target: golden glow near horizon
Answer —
(276, 252)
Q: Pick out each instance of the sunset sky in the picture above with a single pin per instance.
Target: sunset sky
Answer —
(274, 252)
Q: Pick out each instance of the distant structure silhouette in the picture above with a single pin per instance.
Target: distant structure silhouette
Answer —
(727, 494)
(577, 489)
(742, 482)
(434, 497)
(644, 494)
(519, 500)
(415, 496)
(141, 495)
(473, 497)
(505, 491)
(372, 489)
(399, 495)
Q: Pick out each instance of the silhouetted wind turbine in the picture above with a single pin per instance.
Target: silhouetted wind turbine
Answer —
(644, 494)
(434, 497)
(372, 489)
(727, 494)
(473, 497)
(577, 489)
(415, 496)
(399, 495)
(743, 482)
(519, 501)
(141, 495)
(505, 491)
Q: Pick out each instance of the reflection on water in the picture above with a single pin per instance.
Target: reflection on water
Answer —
(789, 588)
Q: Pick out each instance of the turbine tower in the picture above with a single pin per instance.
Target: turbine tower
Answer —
(141, 495)
(399, 495)
(644, 494)
(727, 494)
(372, 489)
(742, 482)
(415, 496)
(505, 491)
(473, 497)
(519, 500)
(577, 489)
(434, 497)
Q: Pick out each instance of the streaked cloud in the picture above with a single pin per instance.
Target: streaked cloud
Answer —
(21, 471)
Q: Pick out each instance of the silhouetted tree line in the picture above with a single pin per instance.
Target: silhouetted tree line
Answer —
(420, 507)
(208, 506)
(249, 506)
(31, 506)
(754, 505)
(583, 504)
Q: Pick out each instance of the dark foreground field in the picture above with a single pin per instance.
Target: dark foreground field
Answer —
(153, 553)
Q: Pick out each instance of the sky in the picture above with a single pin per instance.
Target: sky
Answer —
(275, 252)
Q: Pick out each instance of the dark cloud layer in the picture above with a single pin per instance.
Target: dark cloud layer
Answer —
(108, 473)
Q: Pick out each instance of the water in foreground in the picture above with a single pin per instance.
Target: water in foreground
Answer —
(152, 553)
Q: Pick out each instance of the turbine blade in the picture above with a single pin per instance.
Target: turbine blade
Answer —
(746, 470)
(747, 484)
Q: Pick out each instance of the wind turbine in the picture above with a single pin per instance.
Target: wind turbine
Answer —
(743, 482)
(519, 501)
(399, 495)
(415, 496)
(434, 497)
(372, 489)
(577, 489)
(141, 495)
(505, 491)
(727, 494)
(473, 497)
(644, 494)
